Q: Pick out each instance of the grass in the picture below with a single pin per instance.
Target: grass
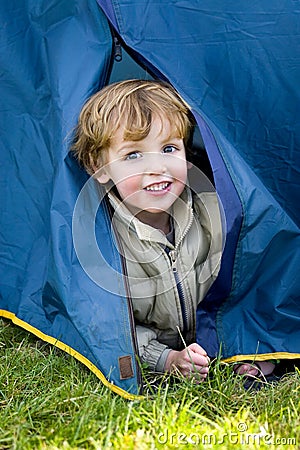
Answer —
(48, 400)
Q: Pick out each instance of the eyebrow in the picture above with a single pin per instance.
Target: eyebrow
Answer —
(131, 145)
(123, 149)
(171, 139)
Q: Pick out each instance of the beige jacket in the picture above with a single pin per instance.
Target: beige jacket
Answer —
(167, 282)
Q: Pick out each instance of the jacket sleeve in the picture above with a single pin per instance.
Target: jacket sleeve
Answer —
(151, 351)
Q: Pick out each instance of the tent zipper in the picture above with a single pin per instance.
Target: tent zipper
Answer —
(128, 296)
(117, 47)
(117, 50)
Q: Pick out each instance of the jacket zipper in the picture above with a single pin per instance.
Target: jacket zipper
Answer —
(173, 258)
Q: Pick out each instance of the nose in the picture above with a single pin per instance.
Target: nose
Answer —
(156, 164)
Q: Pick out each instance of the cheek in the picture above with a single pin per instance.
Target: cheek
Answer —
(177, 166)
(129, 186)
(180, 173)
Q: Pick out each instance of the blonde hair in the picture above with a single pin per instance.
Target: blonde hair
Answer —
(132, 103)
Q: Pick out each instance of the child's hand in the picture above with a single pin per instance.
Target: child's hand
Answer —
(190, 361)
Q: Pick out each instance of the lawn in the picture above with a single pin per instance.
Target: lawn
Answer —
(51, 401)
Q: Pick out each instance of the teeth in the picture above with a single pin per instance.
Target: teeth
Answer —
(157, 187)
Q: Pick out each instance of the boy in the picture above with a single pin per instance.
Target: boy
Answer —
(133, 137)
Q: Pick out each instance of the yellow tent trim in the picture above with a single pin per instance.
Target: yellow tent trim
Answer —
(261, 357)
(99, 374)
(70, 351)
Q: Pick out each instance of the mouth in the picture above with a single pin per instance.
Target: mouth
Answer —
(158, 187)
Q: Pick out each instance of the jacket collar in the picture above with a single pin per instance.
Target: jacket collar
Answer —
(182, 214)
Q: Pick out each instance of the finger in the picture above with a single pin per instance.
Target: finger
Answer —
(203, 370)
(200, 370)
(246, 369)
(193, 370)
(200, 373)
(197, 349)
(195, 358)
(193, 374)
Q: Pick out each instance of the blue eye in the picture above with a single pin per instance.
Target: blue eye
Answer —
(133, 155)
(169, 149)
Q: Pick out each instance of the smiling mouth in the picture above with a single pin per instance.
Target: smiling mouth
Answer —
(158, 187)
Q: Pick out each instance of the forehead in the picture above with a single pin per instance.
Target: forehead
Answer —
(160, 128)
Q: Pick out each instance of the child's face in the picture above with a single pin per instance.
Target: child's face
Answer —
(149, 174)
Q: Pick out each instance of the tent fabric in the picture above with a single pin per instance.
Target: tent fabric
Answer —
(53, 57)
(237, 65)
(219, 54)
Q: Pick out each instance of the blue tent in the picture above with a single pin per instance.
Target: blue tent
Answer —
(238, 65)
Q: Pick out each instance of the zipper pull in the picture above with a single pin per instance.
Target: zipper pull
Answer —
(173, 256)
(117, 50)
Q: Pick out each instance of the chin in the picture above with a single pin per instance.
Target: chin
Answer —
(156, 210)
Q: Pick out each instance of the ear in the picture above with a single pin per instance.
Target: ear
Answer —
(101, 176)
(98, 170)
(189, 165)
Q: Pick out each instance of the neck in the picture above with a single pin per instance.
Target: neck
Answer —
(160, 221)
